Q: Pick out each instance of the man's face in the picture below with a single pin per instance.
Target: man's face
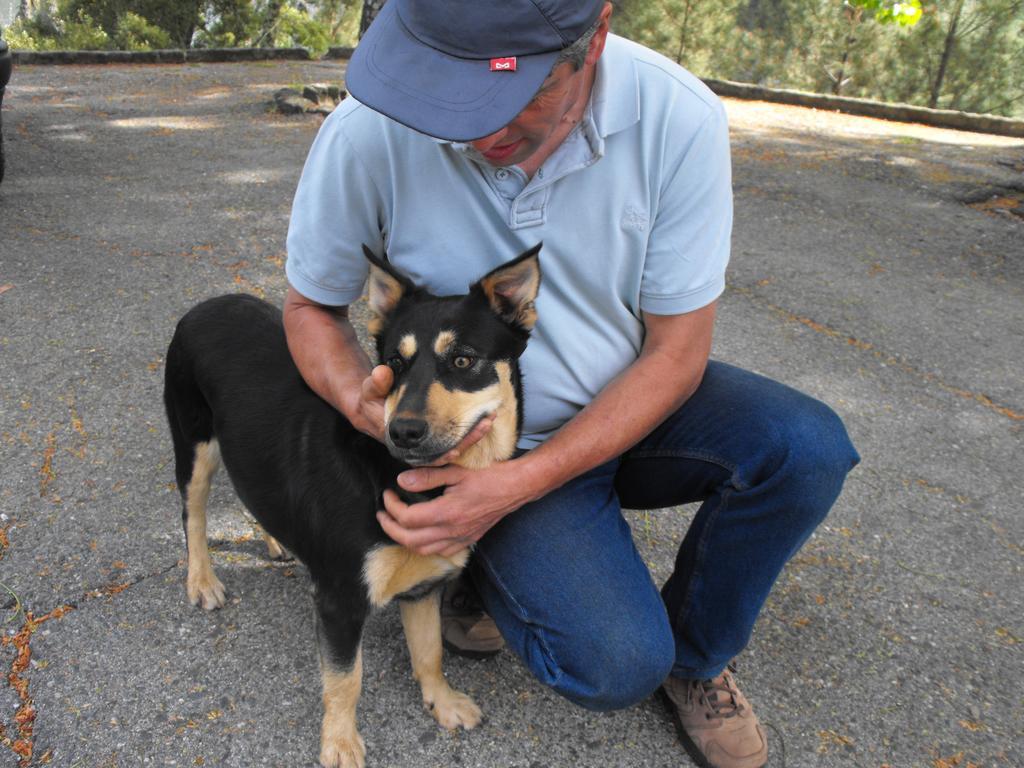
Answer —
(561, 92)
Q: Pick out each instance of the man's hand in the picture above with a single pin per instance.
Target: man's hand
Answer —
(367, 412)
(482, 428)
(473, 502)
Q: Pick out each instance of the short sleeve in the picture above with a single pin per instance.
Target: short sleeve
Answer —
(688, 248)
(337, 208)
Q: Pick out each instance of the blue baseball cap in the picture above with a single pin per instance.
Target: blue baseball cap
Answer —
(462, 69)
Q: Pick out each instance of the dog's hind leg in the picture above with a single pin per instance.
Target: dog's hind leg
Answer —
(422, 622)
(275, 551)
(196, 458)
(204, 588)
(339, 632)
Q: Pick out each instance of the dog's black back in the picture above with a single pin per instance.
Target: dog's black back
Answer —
(229, 375)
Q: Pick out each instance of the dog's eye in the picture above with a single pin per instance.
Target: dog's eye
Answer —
(463, 361)
(396, 363)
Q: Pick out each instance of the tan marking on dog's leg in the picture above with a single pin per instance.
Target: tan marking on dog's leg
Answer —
(391, 570)
(274, 549)
(341, 746)
(422, 622)
(203, 587)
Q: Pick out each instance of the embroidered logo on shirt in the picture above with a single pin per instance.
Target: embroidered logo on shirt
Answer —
(634, 219)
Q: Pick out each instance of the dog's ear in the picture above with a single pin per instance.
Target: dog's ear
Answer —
(512, 288)
(385, 287)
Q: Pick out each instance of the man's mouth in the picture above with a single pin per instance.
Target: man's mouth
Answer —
(503, 151)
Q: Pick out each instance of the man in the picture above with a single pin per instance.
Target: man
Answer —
(481, 128)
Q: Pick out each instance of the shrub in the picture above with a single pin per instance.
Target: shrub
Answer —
(134, 33)
(83, 34)
(178, 18)
(45, 33)
(228, 23)
(294, 27)
(20, 38)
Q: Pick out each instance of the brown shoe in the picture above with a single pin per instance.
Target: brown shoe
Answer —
(465, 628)
(715, 722)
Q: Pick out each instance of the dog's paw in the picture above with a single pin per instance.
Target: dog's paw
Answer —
(205, 589)
(343, 752)
(453, 709)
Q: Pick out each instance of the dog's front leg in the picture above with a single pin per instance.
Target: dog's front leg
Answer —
(341, 746)
(339, 629)
(422, 622)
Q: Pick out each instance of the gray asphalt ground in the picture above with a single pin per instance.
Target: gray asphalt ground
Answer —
(859, 275)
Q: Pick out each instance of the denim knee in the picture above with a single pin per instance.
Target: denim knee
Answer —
(618, 674)
(819, 444)
(807, 457)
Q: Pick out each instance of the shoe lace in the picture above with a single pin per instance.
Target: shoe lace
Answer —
(718, 696)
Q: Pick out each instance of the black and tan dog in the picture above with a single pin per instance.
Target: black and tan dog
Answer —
(234, 396)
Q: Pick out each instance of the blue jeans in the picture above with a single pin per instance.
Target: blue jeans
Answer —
(571, 594)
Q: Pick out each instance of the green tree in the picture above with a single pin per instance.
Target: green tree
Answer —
(228, 24)
(370, 10)
(905, 13)
(134, 33)
(982, 56)
(178, 18)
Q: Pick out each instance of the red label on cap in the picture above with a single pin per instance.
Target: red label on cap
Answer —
(507, 64)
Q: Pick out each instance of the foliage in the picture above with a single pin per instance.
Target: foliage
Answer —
(953, 54)
(134, 33)
(293, 27)
(150, 24)
(179, 18)
(870, 48)
(21, 39)
(243, 23)
(227, 24)
(906, 13)
(43, 33)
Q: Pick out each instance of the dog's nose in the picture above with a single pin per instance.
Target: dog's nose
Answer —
(407, 433)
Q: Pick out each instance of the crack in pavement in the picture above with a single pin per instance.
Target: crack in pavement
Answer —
(884, 357)
(21, 741)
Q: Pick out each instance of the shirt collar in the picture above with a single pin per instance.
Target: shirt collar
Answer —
(616, 94)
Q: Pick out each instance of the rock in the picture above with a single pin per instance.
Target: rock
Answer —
(290, 102)
(318, 98)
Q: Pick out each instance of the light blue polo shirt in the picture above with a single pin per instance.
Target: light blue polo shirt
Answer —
(634, 210)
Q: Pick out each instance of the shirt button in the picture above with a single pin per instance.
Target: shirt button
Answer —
(540, 173)
(501, 174)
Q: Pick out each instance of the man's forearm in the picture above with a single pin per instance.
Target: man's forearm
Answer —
(326, 350)
(630, 406)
